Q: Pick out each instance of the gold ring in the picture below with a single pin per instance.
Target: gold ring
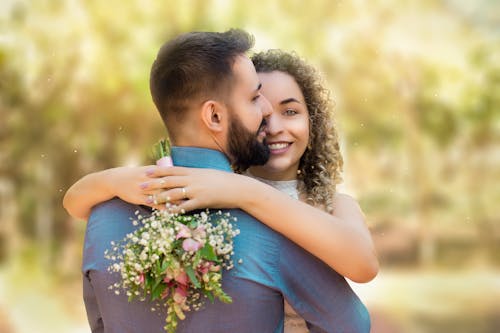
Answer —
(184, 194)
(162, 181)
(154, 200)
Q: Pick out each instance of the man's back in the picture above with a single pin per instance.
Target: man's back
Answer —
(257, 303)
(250, 283)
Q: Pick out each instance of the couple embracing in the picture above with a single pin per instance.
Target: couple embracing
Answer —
(269, 119)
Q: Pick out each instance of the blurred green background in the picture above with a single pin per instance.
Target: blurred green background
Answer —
(417, 91)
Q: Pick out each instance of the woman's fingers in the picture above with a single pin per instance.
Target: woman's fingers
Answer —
(184, 206)
(174, 200)
(163, 171)
(162, 183)
(172, 196)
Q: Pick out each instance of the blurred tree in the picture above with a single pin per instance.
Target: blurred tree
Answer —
(75, 98)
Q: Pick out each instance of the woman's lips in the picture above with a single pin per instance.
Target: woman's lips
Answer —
(278, 147)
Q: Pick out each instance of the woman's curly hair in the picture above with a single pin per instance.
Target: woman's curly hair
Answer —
(322, 162)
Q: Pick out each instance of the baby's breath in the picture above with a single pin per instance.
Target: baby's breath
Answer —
(174, 260)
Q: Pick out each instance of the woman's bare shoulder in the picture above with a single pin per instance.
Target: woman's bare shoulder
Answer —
(345, 202)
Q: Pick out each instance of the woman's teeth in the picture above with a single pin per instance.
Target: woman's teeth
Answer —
(278, 145)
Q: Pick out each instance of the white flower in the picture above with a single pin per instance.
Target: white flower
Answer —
(204, 217)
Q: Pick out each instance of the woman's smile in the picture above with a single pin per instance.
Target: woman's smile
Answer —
(279, 147)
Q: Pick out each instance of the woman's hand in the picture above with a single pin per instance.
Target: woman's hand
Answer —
(185, 189)
(97, 187)
(125, 183)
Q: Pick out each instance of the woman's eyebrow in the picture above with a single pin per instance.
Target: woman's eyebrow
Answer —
(289, 100)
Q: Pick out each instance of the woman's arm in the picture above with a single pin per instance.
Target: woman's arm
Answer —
(97, 187)
(342, 239)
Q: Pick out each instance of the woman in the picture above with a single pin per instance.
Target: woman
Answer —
(293, 193)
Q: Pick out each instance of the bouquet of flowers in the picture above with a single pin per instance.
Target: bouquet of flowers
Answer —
(174, 260)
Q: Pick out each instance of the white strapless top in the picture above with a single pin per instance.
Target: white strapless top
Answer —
(286, 186)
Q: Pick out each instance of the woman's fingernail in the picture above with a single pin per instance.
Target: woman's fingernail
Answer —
(150, 172)
(144, 186)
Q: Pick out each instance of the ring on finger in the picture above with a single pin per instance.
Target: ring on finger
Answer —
(184, 193)
(155, 201)
(161, 182)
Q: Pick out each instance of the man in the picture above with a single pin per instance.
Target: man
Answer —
(207, 92)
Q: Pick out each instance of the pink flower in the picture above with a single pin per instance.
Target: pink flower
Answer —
(190, 244)
(165, 293)
(180, 295)
(199, 232)
(215, 268)
(207, 266)
(182, 278)
(184, 232)
(182, 290)
(165, 161)
(141, 278)
(204, 267)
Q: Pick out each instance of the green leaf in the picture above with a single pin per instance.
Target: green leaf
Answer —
(157, 291)
(196, 259)
(148, 281)
(158, 280)
(161, 149)
(192, 276)
(210, 296)
(164, 264)
(207, 252)
(225, 298)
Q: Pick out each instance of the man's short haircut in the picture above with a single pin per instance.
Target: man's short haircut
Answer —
(194, 67)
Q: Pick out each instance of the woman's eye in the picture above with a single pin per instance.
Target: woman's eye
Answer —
(256, 97)
(290, 112)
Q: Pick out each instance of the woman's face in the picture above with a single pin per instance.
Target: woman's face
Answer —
(287, 132)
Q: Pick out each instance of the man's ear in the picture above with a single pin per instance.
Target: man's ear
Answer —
(214, 115)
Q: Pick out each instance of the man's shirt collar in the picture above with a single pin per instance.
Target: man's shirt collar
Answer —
(195, 157)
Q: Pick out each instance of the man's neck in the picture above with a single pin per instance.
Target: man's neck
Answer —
(200, 157)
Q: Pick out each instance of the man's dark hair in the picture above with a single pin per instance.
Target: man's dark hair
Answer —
(193, 67)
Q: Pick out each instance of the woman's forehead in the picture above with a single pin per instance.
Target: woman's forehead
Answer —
(279, 85)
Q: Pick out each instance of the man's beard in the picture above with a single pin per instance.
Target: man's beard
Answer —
(244, 147)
